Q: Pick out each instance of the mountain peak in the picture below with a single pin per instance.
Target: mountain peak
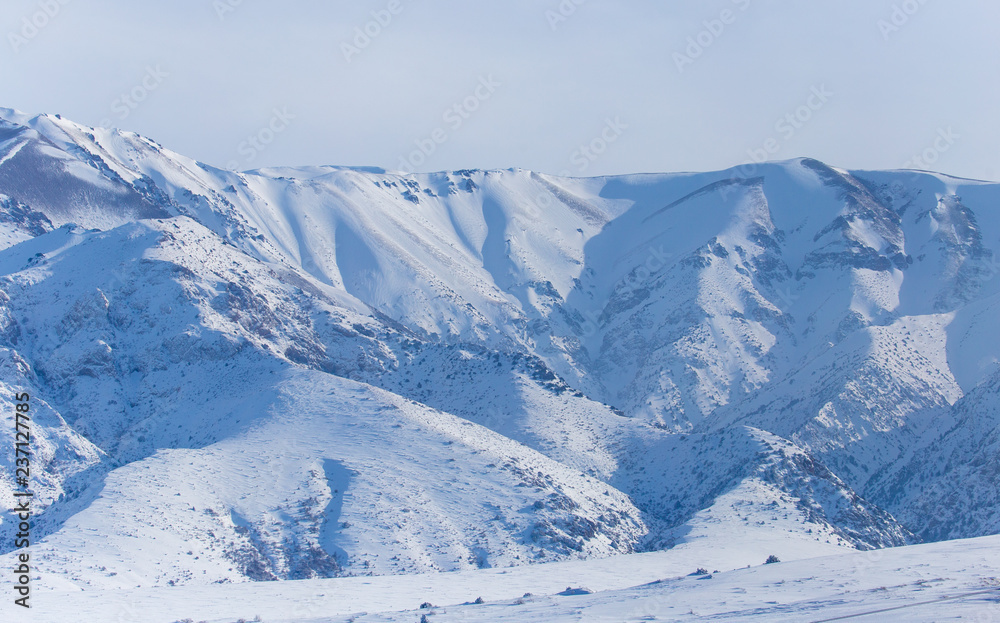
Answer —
(487, 368)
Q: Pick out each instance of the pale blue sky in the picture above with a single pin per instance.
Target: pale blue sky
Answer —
(888, 81)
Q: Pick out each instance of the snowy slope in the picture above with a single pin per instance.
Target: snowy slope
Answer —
(951, 581)
(948, 483)
(336, 477)
(168, 358)
(678, 358)
(173, 364)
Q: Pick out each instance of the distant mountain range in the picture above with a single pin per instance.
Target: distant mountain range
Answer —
(323, 371)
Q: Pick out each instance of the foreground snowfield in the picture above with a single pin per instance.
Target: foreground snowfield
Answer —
(947, 581)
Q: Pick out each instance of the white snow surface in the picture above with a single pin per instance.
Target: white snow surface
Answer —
(294, 374)
(948, 581)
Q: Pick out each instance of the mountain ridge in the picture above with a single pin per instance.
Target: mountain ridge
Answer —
(684, 342)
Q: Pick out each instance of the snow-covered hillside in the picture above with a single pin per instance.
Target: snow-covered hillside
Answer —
(949, 581)
(329, 371)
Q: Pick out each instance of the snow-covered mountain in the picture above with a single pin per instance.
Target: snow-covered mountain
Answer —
(327, 371)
